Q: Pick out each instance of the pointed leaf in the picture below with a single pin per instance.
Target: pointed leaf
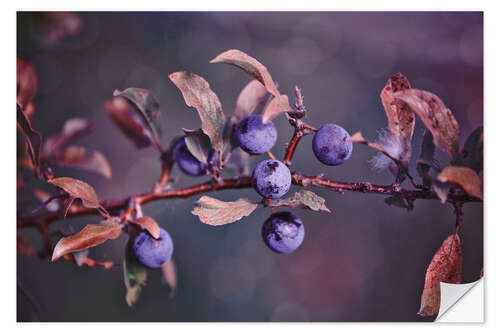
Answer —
(148, 107)
(250, 97)
(401, 120)
(438, 119)
(133, 125)
(80, 158)
(33, 138)
(446, 266)
(303, 199)
(250, 65)
(239, 161)
(465, 177)
(77, 189)
(198, 144)
(277, 106)
(147, 223)
(134, 275)
(169, 272)
(27, 83)
(91, 235)
(215, 212)
(197, 93)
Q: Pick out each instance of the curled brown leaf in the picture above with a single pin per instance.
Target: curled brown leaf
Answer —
(277, 106)
(401, 120)
(147, 223)
(78, 189)
(465, 177)
(438, 119)
(446, 266)
(250, 65)
(91, 235)
(125, 116)
(197, 93)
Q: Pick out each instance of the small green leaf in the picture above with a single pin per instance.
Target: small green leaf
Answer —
(134, 275)
(198, 144)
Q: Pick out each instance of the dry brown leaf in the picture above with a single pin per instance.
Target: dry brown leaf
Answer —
(465, 177)
(72, 130)
(250, 65)
(277, 106)
(250, 97)
(27, 83)
(77, 189)
(401, 120)
(147, 223)
(148, 108)
(125, 116)
(80, 158)
(169, 272)
(438, 119)
(446, 266)
(197, 93)
(215, 212)
(303, 199)
(91, 235)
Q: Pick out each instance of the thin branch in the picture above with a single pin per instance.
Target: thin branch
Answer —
(43, 221)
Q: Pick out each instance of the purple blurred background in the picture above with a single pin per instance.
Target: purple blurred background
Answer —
(364, 262)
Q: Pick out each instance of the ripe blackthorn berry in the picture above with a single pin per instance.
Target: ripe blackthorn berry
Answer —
(271, 179)
(283, 232)
(150, 252)
(188, 163)
(331, 144)
(254, 137)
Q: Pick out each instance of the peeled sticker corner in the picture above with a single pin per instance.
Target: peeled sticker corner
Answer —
(462, 302)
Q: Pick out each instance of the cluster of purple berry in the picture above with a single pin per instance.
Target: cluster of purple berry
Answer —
(282, 232)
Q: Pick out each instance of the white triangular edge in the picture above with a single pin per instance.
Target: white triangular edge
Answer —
(460, 305)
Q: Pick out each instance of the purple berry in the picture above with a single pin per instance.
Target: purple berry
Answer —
(254, 137)
(331, 144)
(189, 164)
(283, 232)
(271, 179)
(150, 252)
